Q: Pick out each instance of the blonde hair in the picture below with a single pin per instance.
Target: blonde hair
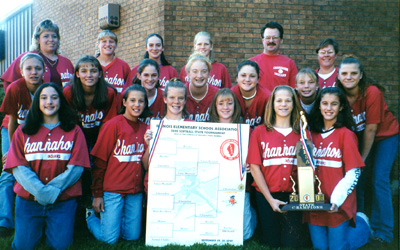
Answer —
(31, 56)
(225, 94)
(205, 34)
(197, 56)
(45, 25)
(270, 115)
(101, 36)
(307, 71)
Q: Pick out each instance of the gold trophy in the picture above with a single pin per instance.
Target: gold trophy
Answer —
(306, 199)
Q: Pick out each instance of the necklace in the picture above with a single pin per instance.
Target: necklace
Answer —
(251, 97)
(50, 61)
(198, 99)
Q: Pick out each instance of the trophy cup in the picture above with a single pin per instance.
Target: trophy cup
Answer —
(306, 199)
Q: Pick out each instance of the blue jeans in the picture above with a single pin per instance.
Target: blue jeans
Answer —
(340, 237)
(7, 181)
(121, 217)
(31, 218)
(329, 237)
(379, 165)
(358, 236)
(249, 218)
(5, 140)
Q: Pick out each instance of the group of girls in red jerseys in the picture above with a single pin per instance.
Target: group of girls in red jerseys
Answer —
(90, 124)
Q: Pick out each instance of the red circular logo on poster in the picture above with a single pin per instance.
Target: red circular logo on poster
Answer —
(230, 149)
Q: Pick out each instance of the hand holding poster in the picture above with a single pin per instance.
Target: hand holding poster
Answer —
(197, 183)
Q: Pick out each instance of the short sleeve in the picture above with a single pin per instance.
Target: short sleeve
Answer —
(351, 155)
(79, 154)
(375, 106)
(16, 154)
(103, 148)
(254, 155)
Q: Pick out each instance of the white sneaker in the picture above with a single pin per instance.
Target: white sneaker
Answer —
(365, 218)
(89, 212)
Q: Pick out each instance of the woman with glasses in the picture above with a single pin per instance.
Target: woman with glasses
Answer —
(327, 51)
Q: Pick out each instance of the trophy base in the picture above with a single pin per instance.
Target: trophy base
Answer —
(306, 206)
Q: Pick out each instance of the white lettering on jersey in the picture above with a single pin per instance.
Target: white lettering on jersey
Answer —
(116, 81)
(211, 80)
(200, 117)
(66, 76)
(254, 121)
(277, 151)
(327, 152)
(91, 120)
(360, 121)
(214, 82)
(164, 82)
(48, 145)
(22, 113)
(124, 153)
(148, 119)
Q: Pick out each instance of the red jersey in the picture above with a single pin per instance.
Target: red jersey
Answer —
(254, 114)
(116, 73)
(328, 82)
(122, 147)
(275, 70)
(334, 156)
(64, 68)
(167, 72)
(199, 111)
(17, 101)
(219, 76)
(47, 153)
(91, 119)
(276, 154)
(372, 109)
(157, 107)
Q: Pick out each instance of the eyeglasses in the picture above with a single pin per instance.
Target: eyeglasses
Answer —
(323, 52)
(273, 37)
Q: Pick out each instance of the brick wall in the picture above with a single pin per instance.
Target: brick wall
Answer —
(78, 23)
(367, 28)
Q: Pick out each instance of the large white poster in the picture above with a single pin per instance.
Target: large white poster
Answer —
(197, 183)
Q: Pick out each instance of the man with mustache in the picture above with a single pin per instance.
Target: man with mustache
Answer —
(275, 69)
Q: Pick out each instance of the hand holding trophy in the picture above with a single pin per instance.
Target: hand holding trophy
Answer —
(306, 198)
